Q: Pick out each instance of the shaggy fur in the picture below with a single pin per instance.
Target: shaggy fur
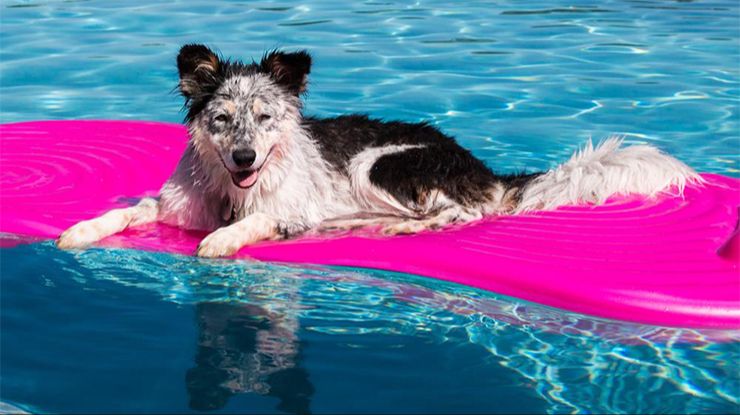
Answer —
(256, 169)
(593, 174)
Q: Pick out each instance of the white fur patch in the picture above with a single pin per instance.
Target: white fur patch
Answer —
(593, 174)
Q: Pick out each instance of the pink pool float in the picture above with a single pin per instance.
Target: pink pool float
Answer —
(668, 260)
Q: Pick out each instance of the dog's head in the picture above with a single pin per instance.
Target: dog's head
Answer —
(242, 113)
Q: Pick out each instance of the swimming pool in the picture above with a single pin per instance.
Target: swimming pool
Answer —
(521, 85)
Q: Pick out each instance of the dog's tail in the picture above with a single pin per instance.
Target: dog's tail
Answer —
(594, 173)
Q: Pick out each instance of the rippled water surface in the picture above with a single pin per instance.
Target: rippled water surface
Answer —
(520, 83)
(127, 331)
(523, 83)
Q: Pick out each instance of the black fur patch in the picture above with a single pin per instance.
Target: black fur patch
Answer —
(343, 137)
(288, 69)
(409, 175)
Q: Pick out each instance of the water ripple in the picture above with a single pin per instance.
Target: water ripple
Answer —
(551, 63)
(573, 362)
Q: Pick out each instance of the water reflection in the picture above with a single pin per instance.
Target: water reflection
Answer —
(249, 340)
(245, 348)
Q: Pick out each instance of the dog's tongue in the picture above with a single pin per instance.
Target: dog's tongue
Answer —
(249, 180)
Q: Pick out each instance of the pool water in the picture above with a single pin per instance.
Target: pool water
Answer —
(521, 84)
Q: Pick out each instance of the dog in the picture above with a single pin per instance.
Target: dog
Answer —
(255, 168)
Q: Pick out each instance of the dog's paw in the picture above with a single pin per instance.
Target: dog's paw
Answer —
(79, 236)
(287, 230)
(221, 242)
(405, 228)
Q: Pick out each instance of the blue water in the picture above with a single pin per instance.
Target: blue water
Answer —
(521, 84)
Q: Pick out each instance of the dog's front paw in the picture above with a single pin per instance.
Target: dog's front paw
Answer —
(221, 242)
(79, 236)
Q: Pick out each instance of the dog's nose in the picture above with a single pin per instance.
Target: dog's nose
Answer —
(244, 157)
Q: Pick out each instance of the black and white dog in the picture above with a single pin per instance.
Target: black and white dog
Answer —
(255, 168)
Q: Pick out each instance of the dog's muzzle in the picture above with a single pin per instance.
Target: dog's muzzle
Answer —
(244, 158)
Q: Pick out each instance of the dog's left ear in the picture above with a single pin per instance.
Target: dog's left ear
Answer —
(289, 70)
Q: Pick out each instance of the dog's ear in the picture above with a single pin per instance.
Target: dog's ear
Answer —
(289, 70)
(199, 68)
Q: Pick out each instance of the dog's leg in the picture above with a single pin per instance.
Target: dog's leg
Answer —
(351, 223)
(90, 231)
(229, 239)
(431, 185)
(453, 214)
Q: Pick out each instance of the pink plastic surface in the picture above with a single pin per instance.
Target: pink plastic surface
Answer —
(668, 261)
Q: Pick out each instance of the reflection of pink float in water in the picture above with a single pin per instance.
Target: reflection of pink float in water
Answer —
(635, 259)
(543, 320)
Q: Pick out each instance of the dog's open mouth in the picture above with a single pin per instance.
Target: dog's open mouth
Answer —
(247, 178)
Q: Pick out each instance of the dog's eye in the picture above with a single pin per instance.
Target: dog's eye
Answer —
(222, 118)
(263, 117)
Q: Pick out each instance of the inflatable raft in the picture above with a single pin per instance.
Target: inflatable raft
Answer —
(668, 261)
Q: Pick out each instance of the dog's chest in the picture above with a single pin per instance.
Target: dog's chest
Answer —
(304, 199)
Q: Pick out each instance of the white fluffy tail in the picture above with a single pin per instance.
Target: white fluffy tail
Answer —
(593, 174)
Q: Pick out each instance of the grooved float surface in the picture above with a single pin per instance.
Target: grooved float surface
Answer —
(637, 259)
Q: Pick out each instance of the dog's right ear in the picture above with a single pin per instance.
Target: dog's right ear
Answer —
(288, 69)
(199, 69)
